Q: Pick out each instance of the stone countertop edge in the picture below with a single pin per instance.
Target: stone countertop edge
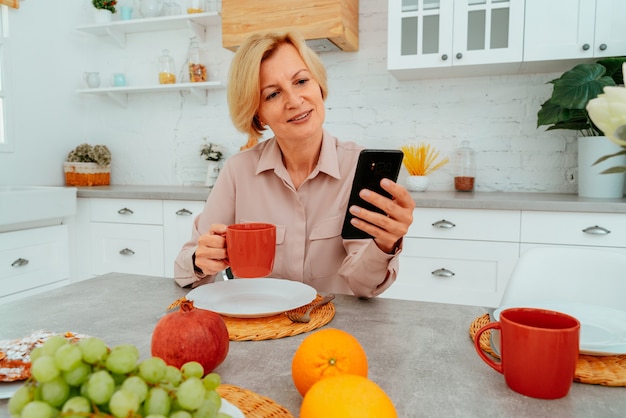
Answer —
(535, 201)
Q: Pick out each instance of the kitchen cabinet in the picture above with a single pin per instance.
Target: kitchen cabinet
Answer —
(461, 256)
(178, 217)
(466, 256)
(606, 231)
(574, 29)
(119, 31)
(33, 260)
(136, 236)
(469, 34)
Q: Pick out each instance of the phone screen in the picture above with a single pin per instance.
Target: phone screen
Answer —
(373, 165)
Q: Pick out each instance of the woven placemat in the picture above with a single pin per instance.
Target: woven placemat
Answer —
(252, 404)
(277, 326)
(595, 370)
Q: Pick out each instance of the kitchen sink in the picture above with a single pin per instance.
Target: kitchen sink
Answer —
(24, 207)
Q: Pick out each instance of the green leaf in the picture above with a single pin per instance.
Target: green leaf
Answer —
(576, 87)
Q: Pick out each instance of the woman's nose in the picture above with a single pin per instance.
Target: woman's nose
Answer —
(294, 99)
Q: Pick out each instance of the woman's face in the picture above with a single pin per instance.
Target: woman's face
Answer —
(291, 100)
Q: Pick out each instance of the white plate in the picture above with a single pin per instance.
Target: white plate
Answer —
(7, 389)
(252, 298)
(602, 329)
(230, 409)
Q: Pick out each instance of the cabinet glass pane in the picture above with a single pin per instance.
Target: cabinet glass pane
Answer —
(430, 37)
(499, 28)
(431, 4)
(409, 36)
(409, 5)
(473, 2)
(476, 30)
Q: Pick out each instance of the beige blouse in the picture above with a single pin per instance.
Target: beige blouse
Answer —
(254, 186)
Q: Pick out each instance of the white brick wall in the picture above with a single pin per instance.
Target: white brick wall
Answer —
(156, 139)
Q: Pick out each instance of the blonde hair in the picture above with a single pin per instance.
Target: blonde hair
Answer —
(244, 86)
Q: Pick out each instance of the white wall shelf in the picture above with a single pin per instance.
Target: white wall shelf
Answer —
(118, 30)
(120, 94)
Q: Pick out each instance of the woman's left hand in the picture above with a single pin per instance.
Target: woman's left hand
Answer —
(387, 229)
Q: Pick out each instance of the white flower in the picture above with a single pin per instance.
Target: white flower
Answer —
(608, 112)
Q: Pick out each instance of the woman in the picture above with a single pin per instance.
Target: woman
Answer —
(299, 180)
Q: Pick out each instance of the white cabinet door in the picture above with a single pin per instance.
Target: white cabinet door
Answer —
(574, 29)
(446, 33)
(178, 217)
(33, 260)
(454, 271)
(127, 248)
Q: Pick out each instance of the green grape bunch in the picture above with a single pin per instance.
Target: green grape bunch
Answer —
(87, 379)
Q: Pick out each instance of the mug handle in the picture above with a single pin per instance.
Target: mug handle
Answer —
(497, 366)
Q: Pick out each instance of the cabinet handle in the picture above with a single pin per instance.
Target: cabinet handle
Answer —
(125, 211)
(127, 251)
(443, 224)
(19, 262)
(442, 273)
(586, 47)
(602, 47)
(184, 212)
(596, 230)
(444, 57)
(459, 55)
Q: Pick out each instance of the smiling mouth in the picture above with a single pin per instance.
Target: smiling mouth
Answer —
(300, 117)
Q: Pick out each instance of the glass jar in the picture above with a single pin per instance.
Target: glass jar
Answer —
(166, 68)
(196, 6)
(197, 70)
(464, 168)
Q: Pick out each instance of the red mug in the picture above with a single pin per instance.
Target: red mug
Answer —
(538, 351)
(251, 248)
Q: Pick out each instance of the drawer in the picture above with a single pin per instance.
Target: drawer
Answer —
(479, 271)
(570, 228)
(130, 211)
(466, 224)
(133, 249)
(33, 258)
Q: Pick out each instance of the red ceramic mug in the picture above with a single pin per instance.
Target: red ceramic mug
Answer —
(538, 351)
(251, 248)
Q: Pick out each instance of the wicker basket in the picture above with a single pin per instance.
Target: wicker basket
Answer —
(86, 174)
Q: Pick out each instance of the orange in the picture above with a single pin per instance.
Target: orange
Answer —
(325, 353)
(347, 396)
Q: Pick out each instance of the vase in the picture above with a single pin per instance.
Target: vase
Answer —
(102, 16)
(417, 183)
(591, 183)
(213, 170)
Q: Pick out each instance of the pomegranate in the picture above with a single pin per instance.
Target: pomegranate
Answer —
(191, 334)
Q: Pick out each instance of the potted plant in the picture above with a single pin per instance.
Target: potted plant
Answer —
(566, 109)
(213, 153)
(104, 10)
(88, 165)
(420, 161)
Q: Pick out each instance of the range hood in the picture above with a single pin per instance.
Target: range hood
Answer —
(327, 25)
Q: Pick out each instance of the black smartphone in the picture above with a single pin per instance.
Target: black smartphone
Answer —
(373, 165)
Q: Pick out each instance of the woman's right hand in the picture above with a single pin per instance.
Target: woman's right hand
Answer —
(211, 256)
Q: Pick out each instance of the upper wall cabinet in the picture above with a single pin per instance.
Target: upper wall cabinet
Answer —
(463, 34)
(571, 29)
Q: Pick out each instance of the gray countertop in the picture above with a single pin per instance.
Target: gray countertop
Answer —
(559, 202)
(419, 353)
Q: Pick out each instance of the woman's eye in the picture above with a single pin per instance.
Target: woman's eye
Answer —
(271, 95)
(302, 81)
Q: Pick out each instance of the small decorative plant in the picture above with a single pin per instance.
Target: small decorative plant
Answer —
(421, 160)
(86, 153)
(105, 4)
(212, 152)
(566, 107)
